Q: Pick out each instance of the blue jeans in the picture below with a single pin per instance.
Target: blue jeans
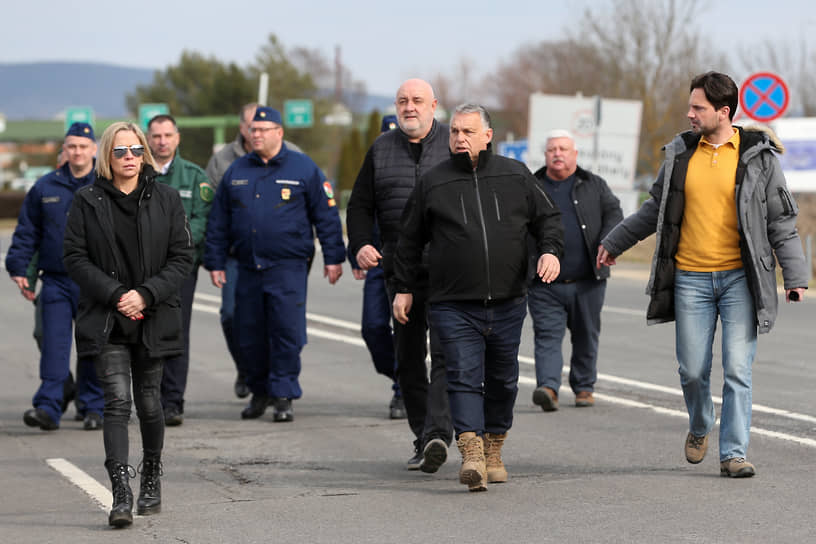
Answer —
(554, 308)
(699, 297)
(480, 344)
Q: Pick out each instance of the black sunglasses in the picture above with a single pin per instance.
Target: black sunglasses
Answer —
(121, 150)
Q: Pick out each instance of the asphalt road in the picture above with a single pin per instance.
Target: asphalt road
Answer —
(612, 473)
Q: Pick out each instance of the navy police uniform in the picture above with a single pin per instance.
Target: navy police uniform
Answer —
(267, 212)
(41, 227)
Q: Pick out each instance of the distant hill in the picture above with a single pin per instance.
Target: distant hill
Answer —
(42, 90)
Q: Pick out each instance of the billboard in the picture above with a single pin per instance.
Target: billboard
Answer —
(798, 135)
(608, 148)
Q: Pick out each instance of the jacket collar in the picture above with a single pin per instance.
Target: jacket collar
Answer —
(147, 178)
(753, 139)
(255, 158)
(65, 177)
(579, 173)
(429, 136)
(462, 160)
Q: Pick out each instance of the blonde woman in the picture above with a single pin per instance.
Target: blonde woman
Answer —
(128, 246)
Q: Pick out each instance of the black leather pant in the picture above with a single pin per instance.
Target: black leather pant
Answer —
(115, 366)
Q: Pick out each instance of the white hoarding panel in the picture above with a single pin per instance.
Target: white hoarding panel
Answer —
(798, 135)
(618, 134)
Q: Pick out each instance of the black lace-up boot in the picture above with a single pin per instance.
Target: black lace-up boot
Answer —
(149, 501)
(121, 514)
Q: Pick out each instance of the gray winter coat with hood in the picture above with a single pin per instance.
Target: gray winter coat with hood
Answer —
(766, 219)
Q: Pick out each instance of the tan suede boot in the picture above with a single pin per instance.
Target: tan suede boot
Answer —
(496, 473)
(474, 471)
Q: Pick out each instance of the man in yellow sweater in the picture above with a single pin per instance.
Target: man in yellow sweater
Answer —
(719, 207)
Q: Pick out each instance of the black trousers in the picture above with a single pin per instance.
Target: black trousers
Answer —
(426, 401)
(174, 379)
(116, 366)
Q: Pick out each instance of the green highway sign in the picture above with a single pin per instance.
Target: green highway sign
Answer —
(78, 114)
(149, 111)
(298, 113)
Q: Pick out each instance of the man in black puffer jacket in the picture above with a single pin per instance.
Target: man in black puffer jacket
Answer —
(474, 212)
(391, 168)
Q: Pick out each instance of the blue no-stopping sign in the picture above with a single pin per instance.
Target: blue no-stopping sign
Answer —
(764, 97)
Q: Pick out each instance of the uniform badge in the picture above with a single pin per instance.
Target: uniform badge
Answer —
(327, 188)
(332, 202)
(206, 192)
(286, 192)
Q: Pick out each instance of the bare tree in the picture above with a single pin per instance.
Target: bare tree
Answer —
(645, 50)
(461, 85)
(560, 67)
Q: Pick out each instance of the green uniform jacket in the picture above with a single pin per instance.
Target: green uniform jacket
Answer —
(196, 193)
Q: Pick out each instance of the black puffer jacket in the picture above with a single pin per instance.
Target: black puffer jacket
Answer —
(386, 179)
(475, 223)
(93, 261)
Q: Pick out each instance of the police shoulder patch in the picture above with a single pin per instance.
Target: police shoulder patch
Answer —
(327, 188)
(206, 191)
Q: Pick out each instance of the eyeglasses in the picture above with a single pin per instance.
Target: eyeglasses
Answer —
(263, 130)
(121, 150)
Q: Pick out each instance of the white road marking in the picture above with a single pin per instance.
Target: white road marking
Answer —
(809, 442)
(102, 496)
(96, 491)
(674, 391)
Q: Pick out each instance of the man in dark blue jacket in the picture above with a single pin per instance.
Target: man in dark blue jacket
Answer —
(40, 228)
(589, 210)
(267, 208)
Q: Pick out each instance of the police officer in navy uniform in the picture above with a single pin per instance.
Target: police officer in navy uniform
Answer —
(40, 228)
(267, 208)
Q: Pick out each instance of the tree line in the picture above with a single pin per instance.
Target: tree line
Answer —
(645, 50)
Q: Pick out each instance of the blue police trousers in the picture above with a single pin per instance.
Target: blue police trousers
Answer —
(270, 327)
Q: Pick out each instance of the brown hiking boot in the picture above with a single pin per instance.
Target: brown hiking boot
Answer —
(496, 473)
(546, 398)
(584, 399)
(696, 447)
(737, 467)
(473, 472)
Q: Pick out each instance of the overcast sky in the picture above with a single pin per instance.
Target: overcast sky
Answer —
(382, 42)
